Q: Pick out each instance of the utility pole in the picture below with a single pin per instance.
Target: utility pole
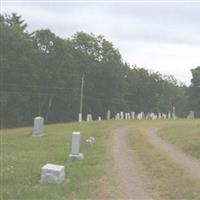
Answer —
(81, 99)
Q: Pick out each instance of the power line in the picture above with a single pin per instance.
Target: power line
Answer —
(33, 86)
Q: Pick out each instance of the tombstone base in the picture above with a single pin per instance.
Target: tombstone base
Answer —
(74, 157)
(37, 135)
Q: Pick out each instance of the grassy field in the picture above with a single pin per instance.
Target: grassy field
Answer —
(23, 157)
(93, 178)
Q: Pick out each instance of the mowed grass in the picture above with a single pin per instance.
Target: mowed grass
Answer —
(93, 178)
(185, 135)
(163, 177)
(24, 155)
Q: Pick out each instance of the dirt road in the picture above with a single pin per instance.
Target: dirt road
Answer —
(130, 181)
(189, 164)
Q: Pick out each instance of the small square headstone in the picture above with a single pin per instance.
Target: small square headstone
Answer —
(52, 174)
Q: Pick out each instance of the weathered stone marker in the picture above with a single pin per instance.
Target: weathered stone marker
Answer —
(92, 138)
(108, 115)
(121, 115)
(169, 115)
(75, 154)
(80, 117)
(174, 113)
(117, 116)
(88, 142)
(133, 115)
(190, 115)
(38, 126)
(52, 174)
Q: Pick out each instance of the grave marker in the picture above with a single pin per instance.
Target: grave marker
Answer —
(52, 174)
(38, 126)
(75, 154)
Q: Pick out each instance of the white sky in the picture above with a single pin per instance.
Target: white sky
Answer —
(162, 36)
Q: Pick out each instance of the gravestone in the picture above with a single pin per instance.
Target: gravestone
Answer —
(108, 115)
(169, 115)
(92, 138)
(89, 118)
(164, 116)
(190, 115)
(75, 154)
(133, 115)
(148, 116)
(89, 142)
(174, 113)
(80, 117)
(117, 116)
(38, 126)
(99, 118)
(121, 115)
(52, 174)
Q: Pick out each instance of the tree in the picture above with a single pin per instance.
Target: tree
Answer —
(194, 91)
(17, 62)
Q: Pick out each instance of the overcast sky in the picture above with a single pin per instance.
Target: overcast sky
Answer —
(162, 36)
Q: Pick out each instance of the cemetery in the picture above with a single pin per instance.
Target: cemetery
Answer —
(78, 121)
(61, 158)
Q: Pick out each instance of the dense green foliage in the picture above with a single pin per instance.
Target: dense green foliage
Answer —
(194, 91)
(41, 75)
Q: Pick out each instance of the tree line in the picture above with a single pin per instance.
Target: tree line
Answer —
(41, 75)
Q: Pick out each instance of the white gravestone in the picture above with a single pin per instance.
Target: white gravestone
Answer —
(80, 117)
(164, 116)
(75, 154)
(169, 115)
(99, 118)
(174, 113)
(117, 116)
(133, 115)
(89, 142)
(108, 115)
(52, 174)
(142, 115)
(89, 117)
(38, 126)
(92, 138)
(190, 115)
(121, 115)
